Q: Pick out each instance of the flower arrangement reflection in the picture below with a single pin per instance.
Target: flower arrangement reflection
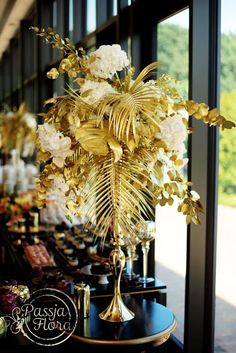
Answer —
(18, 131)
(116, 140)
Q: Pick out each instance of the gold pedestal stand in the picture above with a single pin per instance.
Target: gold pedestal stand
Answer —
(117, 310)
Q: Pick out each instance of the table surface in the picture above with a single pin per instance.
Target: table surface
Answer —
(152, 323)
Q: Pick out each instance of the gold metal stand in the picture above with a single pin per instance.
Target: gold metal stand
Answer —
(117, 310)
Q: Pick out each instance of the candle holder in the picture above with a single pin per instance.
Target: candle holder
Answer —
(130, 243)
(146, 235)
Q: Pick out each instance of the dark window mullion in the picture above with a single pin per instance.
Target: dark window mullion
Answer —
(199, 313)
(79, 19)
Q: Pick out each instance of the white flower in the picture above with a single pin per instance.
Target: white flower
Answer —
(54, 142)
(31, 172)
(151, 84)
(58, 193)
(173, 133)
(98, 90)
(28, 147)
(10, 115)
(30, 120)
(59, 183)
(108, 60)
(194, 195)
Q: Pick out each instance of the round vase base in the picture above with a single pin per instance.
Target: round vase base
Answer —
(117, 311)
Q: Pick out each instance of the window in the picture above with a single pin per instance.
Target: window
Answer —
(91, 16)
(114, 8)
(71, 17)
(171, 241)
(226, 262)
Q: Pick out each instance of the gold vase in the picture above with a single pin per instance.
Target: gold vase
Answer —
(117, 311)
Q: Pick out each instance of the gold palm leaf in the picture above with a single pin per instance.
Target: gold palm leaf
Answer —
(119, 189)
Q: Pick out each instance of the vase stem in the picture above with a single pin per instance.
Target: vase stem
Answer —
(117, 310)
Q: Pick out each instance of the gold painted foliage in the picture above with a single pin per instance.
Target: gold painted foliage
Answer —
(115, 146)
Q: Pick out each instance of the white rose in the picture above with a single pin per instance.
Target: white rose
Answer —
(108, 60)
(98, 90)
(55, 143)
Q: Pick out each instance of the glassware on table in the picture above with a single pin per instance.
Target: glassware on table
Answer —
(146, 235)
(130, 244)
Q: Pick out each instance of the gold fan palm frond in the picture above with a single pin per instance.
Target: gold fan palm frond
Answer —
(143, 75)
(125, 109)
(120, 193)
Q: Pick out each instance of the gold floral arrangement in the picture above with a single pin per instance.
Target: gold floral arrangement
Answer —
(18, 131)
(114, 147)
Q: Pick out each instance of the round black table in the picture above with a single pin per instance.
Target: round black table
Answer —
(151, 325)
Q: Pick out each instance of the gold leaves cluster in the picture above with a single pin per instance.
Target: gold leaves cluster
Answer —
(74, 60)
(212, 117)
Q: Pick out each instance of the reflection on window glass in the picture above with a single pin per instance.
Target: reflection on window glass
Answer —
(91, 16)
(71, 16)
(54, 14)
(171, 241)
(225, 322)
(114, 8)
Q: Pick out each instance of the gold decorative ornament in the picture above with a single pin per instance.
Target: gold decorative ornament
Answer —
(114, 148)
(117, 311)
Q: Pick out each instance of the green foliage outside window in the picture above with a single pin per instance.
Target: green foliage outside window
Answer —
(174, 60)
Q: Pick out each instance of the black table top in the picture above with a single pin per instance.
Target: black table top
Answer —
(152, 323)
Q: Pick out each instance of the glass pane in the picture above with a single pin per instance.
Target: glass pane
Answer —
(170, 251)
(91, 16)
(114, 7)
(71, 17)
(225, 322)
(54, 14)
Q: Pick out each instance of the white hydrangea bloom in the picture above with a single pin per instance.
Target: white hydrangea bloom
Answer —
(55, 143)
(108, 60)
(98, 90)
(173, 133)
(59, 183)
(10, 115)
(28, 147)
(156, 90)
(57, 200)
(30, 120)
